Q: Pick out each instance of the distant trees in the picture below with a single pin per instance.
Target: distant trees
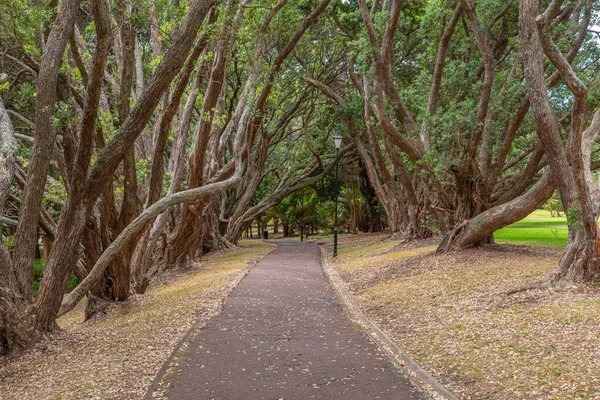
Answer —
(554, 205)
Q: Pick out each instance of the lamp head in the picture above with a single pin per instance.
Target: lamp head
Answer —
(337, 140)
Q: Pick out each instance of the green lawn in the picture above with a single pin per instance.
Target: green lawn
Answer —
(538, 229)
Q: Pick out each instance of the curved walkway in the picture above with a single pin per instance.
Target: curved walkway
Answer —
(283, 335)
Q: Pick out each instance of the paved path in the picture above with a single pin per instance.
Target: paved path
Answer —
(283, 335)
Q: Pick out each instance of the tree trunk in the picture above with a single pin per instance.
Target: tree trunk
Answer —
(45, 133)
(148, 215)
(581, 261)
(370, 196)
(13, 327)
(480, 228)
(65, 249)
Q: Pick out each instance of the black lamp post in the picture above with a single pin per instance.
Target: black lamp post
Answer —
(302, 215)
(337, 141)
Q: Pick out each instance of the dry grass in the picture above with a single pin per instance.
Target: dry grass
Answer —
(451, 314)
(116, 356)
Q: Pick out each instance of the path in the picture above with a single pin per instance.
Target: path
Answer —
(283, 335)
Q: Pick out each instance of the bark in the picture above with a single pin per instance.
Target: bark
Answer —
(413, 147)
(177, 166)
(306, 178)
(142, 254)
(469, 172)
(182, 243)
(120, 271)
(157, 170)
(383, 77)
(190, 195)
(73, 216)
(27, 229)
(8, 147)
(255, 174)
(440, 63)
(589, 137)
(170, 64)
(68, 238)
(12, 327)
(136, 227)
(139, 71)
(580, 261)
(368, 192)
(520, 182)
(187, 229)
(383, 187)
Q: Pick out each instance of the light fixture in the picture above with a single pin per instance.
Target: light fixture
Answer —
(337, 140)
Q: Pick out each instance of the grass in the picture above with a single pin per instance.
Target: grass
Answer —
(537, 229)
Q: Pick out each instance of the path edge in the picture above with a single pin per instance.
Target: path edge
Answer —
(423, 379)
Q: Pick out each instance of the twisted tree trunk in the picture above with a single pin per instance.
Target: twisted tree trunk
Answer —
(581, 260)
(43, 144)
(12, 326)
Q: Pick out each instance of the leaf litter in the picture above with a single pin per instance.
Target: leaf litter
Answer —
(116, 355)
(452, 314)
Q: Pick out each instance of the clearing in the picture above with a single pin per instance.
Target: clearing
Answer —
(538, 229)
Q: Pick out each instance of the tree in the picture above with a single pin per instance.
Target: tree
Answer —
(570, 165)
(150, 133)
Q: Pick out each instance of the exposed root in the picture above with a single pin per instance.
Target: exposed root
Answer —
(559, 285)
(395, 236)
(448, 240)
(95, 305)
(222, 243)
(537, 285)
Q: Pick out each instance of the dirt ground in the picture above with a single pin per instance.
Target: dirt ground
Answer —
(116, 355)
(452, 314)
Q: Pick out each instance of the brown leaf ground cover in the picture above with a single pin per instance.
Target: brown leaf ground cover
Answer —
(451, 313)
(116, 355)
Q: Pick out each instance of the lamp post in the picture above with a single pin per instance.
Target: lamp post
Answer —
(337, 141)
(302, 215)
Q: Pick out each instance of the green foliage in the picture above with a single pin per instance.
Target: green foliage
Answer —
(325, 214)
(574, 219)
(72, 283)
(56, 193)
(39, 266)
(9, 241)
(167, 178)
(142, 169)
(63, 115)
(20, 20)
(38, 272)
